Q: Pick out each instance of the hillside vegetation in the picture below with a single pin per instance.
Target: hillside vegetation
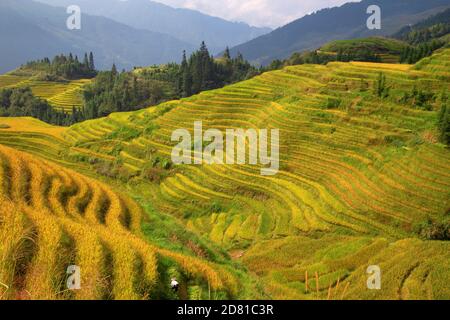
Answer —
(362, 172)
(385, 49)
(63, 95)
(429, 29)
(75, 91)
(53, 217)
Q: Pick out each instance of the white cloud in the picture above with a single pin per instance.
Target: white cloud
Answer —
(273, 13)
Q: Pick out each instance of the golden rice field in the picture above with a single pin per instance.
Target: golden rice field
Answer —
(53, 217)
(412, 269)
(354, 181)
(61, 95)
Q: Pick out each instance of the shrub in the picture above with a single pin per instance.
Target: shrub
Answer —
(381, 89)
(333, 103)
(433, 230)
(419, 99)
(105, 169)
(154, 174)
(394, 140)
(124, 133)
(216, 207)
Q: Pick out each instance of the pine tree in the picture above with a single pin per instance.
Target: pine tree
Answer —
(184, 61)
(86, 61)
(184, 69)
(380, 87)
(239, 58)
(135, 89)
(126, 98)
(114, 70)
(340, 55)
(227, 54)
(91, 61)
(74, 117)
(187, 83)
(203, 49)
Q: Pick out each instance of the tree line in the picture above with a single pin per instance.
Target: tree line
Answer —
(202, 72)
(318, 57)
(413, 54)
(424, 38)
(64, 67)
(118, 91)
(431, 28)
(20, 102)
(113, 91)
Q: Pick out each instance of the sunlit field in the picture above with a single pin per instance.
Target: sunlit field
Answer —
(362, 169)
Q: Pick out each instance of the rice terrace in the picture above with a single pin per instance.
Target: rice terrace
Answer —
(64, 95)
(363, 178)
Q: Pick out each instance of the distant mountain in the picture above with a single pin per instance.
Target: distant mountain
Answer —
(345, 22)
(432, 28)
(184, 24)
(30, 30)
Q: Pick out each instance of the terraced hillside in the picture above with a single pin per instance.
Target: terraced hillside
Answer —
(361, 168)
(388, 50)
(438, 64)
(53, 217)
(61, 95)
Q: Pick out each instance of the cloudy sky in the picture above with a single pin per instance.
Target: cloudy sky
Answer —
(272, 13)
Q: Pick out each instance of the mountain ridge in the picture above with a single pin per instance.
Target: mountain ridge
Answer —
(35, 30)
(154, 16)
(339, 23)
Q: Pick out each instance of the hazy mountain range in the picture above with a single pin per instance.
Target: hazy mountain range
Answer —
(31, 30)
(345, 22)
(142, 32)
(123, 35)
(184, 24)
